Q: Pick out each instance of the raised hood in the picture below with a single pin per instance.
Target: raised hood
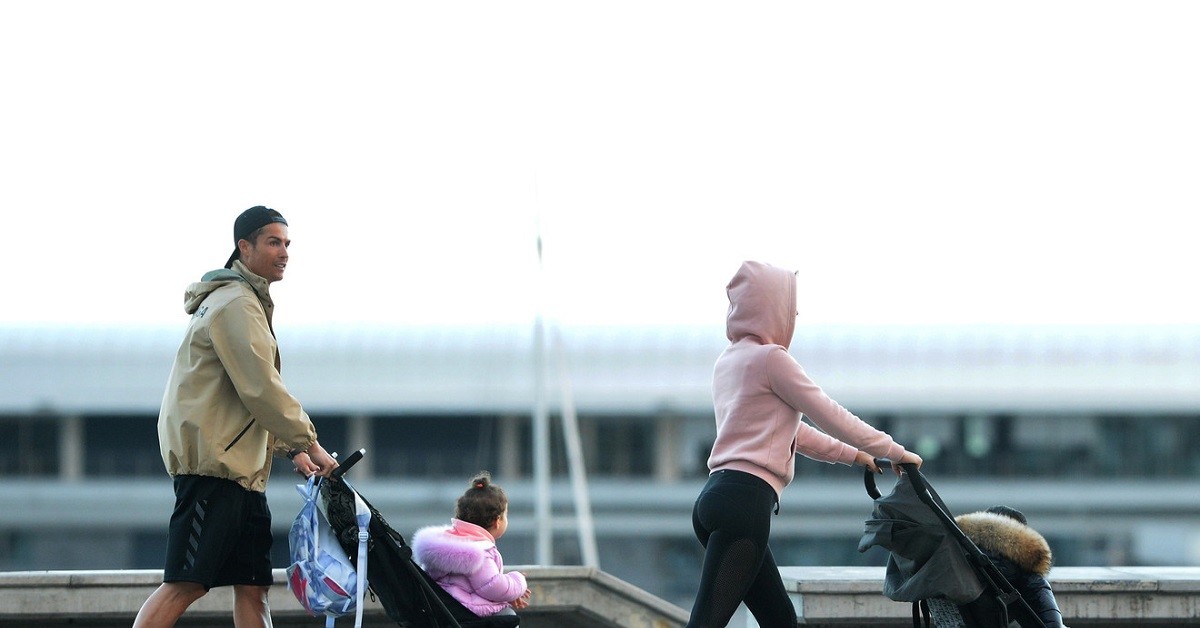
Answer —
(762, 303)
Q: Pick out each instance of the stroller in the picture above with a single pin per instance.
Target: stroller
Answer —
(933, 563)
(410, 596)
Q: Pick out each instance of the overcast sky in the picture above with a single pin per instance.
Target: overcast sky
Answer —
(945, 162)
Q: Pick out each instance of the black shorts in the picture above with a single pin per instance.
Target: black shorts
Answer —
(220, 534)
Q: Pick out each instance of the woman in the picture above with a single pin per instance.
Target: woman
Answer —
(759, 394)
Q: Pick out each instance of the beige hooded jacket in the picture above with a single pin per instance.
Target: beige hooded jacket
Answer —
(225, 409)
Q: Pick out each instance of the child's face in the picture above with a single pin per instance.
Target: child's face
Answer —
(501, 525)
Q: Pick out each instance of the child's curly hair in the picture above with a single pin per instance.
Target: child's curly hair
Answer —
(482, 503)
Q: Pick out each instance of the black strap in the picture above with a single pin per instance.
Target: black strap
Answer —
(869, 477)
(869, 482)
(920, 611)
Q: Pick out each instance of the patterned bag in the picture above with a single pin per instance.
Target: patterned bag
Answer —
(321, 575)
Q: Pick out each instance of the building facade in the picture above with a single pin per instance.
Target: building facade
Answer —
(1093, 432)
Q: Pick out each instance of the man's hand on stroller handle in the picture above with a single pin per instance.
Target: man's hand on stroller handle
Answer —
(314, 461)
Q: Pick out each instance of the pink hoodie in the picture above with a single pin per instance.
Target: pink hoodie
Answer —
(463, 559)
(760, 391)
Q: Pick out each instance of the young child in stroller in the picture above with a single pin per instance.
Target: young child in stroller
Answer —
(1019, 552)
(463, 558)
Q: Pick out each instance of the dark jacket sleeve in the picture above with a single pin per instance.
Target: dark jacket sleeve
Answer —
(1034, 589)
(1040, 597)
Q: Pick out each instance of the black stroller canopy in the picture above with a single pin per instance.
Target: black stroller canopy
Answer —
(929, 556)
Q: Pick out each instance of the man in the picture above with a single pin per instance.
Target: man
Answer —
(224, 413)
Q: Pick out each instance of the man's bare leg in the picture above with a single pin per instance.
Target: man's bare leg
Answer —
(250, 606)
(167, 604)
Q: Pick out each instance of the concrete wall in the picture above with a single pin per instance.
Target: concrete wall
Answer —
(1087, 596)
(579, 597)
(563, 597)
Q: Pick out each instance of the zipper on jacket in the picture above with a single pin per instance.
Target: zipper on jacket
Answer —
(239, 436)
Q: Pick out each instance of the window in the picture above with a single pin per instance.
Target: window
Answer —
(444, 447)
(29, 446)
(121, 445)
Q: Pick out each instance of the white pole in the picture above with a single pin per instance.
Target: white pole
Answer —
(544, 550)
(575, 462)
(541, 436)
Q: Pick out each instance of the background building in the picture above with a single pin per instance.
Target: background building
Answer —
(1094, 432)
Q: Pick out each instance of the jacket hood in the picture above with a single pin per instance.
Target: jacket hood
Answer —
(436, 548)
(1007, 537)
(470, 531)
(213, 279)
(762, 303)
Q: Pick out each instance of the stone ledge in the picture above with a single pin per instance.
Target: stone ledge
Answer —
(1088, 596)
(563, 597)
(582, 597)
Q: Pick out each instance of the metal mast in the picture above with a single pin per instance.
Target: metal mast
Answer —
(541, 437)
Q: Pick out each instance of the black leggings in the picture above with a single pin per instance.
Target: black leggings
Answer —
(732, 519)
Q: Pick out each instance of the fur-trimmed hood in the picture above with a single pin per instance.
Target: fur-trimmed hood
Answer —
(464, 561)
(1009, 538)
(438, 549)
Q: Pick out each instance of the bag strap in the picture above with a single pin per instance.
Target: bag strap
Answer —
(920, 610)
(362, 514)
(310, 490)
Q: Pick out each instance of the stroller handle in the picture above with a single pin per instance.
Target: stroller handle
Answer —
(350, 461)
(869, 477)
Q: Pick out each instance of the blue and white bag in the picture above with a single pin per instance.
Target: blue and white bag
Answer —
(321, 575)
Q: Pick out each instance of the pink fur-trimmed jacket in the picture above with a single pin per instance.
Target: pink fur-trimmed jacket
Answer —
(463, 559)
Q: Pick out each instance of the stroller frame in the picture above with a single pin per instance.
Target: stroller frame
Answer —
(425, 604)
(1009, 601)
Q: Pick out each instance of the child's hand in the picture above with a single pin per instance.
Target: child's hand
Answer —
(522, 601)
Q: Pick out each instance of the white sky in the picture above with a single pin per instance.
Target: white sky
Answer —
(930, 162)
